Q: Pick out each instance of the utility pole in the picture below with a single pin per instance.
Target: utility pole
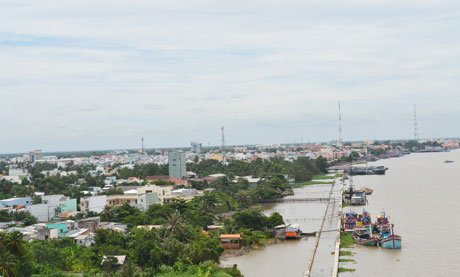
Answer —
(416, 136)
(340, 143)
(223, 145)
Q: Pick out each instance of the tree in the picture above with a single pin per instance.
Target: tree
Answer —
(8, 263)
(176, 225)
(274, 219)
(251, 218)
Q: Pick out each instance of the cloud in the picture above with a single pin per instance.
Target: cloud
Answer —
(268, 71)
(154, 107)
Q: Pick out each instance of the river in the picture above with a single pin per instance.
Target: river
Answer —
(419, 192)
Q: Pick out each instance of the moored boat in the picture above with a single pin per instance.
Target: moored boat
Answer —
(391, 242)
(364, 237)
(366, 191)
(349, 222)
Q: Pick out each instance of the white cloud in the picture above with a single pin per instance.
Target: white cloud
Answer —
(174, 71)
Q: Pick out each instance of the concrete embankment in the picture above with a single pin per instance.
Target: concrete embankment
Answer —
(327, 241)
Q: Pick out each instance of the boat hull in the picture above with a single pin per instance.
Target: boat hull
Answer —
(391, 242)
(366, 242)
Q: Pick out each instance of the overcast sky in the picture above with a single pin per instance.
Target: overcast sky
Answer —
(80, 75)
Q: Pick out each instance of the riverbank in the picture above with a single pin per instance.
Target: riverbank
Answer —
(232, 253)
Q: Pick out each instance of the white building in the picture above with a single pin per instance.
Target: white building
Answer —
(93, 204)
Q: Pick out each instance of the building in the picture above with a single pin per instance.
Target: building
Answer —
(161, 191)
(11, 202)
(51, 207)
(93, 204)
(196, 147)
(90, 223)
(35, 155)
(230, 241)
(177, 169)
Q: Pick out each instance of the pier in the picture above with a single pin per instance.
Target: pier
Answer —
(293, 200)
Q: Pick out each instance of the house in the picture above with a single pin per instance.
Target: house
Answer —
(86, 240)
(93, 204)
(115, 226)
(90, 223)
(44, 233)
(230, 241)
(51, 207)
(119, 260)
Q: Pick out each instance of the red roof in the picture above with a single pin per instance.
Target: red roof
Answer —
(63, 198)
(178, 181)
(230, 236)
(20, 207)
(153, 178)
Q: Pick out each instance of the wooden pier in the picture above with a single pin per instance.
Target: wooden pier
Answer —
(297, 200)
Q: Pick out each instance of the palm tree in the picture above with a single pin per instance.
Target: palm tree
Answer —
(15, 246)
(176, 225)
(8, 263)
(108, 214)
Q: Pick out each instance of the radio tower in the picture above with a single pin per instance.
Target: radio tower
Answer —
(142, 141)
(340, 143)
(223, 144)
(416, 137)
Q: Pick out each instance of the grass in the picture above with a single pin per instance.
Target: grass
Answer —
(345, 205)
(339, 175)
(322, 177)
(345, 253)
(346, 240)
(347, 261)
(342, 269)
(306, 183)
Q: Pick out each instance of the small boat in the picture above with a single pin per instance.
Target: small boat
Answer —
(349, 223)
(448, 161)
(364, 237)
(392, 241)
(366, 191)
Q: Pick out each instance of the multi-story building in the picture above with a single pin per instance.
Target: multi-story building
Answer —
(93, 204)
(176, 160)
(35, 155)
(196, 147)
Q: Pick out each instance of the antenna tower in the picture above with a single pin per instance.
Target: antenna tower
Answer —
(416, 137)
(142, 141)
(340, 143)
(223, 144)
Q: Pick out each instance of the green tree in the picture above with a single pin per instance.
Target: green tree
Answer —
(8, 263)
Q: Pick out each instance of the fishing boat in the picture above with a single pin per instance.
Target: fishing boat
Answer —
(364, 220)
(448, 161)
(349, 223)
(363, 236)
(382, 223)
(392, 241)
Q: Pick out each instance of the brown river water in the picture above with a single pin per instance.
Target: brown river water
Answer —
(419, 192)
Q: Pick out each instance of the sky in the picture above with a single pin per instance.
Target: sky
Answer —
(87, 75)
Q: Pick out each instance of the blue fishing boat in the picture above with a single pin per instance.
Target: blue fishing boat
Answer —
(392, 241)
